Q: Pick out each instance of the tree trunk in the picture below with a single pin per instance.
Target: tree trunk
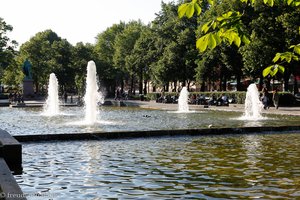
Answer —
(188, 85)
(202, 88)
(145, 87)
(238, 83)
(132, 85)
(224, 84)
(141, 81)
(295, 85)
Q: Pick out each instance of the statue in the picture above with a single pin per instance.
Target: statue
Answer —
(27, 69)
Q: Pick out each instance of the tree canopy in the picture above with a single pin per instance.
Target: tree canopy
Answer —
(205, 42)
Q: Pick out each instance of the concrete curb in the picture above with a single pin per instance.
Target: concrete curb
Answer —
(152, 133)
(9, 187)
(10, 161)
(11, 151)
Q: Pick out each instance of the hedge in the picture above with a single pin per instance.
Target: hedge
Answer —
(286, 98)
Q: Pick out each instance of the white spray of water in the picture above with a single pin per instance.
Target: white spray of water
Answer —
(183, 105)
(253, 105)
(92, 95)
(51, 107)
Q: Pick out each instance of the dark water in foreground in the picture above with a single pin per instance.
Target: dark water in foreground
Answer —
(264, 166)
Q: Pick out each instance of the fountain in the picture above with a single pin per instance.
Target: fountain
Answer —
(45, 163)
(183, 105)
(51, 107)
(92, 94)
(253, 105)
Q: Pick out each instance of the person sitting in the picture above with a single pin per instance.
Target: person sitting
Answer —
(222, 100)
(212, 101)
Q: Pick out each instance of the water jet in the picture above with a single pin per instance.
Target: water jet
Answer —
(51, 107)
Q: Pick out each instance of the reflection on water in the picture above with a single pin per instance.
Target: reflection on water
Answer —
(31, 121)
(244, 166)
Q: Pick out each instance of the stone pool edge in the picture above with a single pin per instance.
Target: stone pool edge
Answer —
(10, 162)
(152, 133)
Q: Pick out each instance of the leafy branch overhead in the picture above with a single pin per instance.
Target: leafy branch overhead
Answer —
(282, 57)
(228, 29)
(272, 70)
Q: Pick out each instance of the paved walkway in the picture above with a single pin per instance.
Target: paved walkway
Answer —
(162, 106)
(232, 107)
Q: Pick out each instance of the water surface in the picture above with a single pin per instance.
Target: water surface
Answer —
(30, 121)
(263, 166)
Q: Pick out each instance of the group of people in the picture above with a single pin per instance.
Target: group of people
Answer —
(16, 97)
(266, 98)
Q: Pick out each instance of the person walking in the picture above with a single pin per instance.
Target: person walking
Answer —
(275, 98)
(265, 98)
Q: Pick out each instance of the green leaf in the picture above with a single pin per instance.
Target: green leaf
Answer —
(211, 41)
(276, 58)
(214, 24)
(198, 8)
(202, 43)
(267, 2)
(286, 56)
(271, 3)
(220, 18)
(245, 39)
(267, 71)
(296, 58)
(237, 41)
(296, 48)
(182, 9)
(274, 70)
(217, 38)
(205, 27)
(190, 10)
(281, 68)
(289, 2)
(211, 2)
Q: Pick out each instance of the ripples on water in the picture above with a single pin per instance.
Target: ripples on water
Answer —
(245, 166)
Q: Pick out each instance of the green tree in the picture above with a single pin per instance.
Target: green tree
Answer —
(105, 50)
(13, 74)
(175, 46)
(80, 55)
(124, 45)
(143, 55)
(7, 50)
(62, 64)
(48, 53)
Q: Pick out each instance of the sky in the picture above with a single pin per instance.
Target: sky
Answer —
(74, 20)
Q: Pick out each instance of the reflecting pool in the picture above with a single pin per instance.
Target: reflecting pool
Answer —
(262, 166)
(31, 121)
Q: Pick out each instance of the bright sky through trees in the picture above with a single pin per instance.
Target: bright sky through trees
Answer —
(74, 20)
